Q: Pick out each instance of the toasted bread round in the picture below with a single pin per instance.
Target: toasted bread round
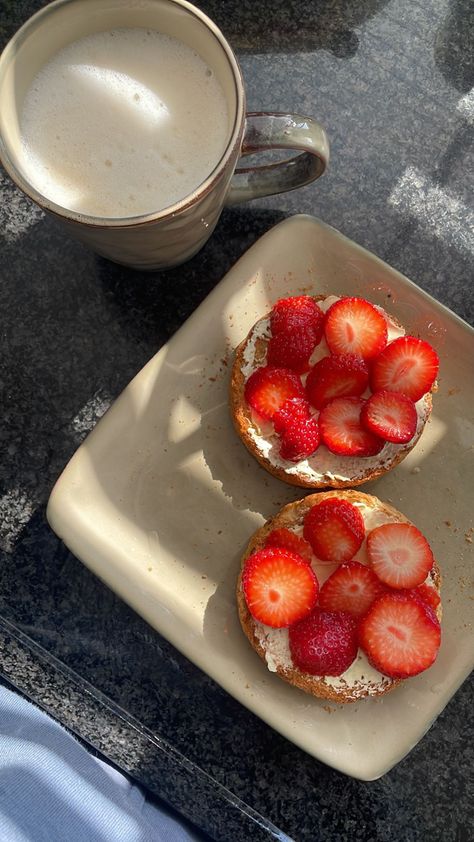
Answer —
(361, 680)
(324, 469)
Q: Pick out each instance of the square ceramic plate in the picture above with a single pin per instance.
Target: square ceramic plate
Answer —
(161, 498)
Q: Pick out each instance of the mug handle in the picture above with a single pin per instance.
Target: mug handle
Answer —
(274, 130)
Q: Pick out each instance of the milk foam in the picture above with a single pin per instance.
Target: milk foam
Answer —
(122, 123)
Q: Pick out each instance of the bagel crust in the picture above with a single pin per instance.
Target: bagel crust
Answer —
(352, 471)
(345, 688)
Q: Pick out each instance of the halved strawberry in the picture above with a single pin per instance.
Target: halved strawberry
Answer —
(390, 415)
(354, 326)
(293, 313)
(294, 409)
(324, 643)
(342, 432)
(292, 350)
(280, 588)
(300, 439)
(335, 529)
(353, 587)
(268, 388)
(399, 554)
(407, 365)
(288, 540)
(400, 635)
(336, 376)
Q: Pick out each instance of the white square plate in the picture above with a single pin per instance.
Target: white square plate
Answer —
(161, 498)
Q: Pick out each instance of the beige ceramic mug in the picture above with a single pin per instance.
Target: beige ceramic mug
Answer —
(170, 236)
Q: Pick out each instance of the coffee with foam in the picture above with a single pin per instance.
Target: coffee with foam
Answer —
(123, 123)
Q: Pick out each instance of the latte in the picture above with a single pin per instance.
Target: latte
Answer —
(123, 123)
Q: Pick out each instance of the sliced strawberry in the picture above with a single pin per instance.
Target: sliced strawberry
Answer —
(353, 587)
(429, 595)
(400, 635)
(324, 643)
(342, 432)
(288, 540)
(335, 529)
(280, 588)
(354, 326)
(399, 554)
(300, 440)
(336, 376)
(293, 313)
(390, 415)
(292, 350)
(268, 388)
(294, 409)
(407, 365)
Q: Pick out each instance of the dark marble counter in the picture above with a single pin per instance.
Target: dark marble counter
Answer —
(392, 82)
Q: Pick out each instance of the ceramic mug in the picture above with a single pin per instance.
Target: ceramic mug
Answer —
(173, 235)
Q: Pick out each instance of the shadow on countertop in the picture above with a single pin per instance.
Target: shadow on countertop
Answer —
(295, 26)
(454, 46)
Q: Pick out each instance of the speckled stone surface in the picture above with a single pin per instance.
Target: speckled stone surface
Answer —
(392, 82)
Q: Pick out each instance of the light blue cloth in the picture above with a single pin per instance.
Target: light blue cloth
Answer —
(53, 790)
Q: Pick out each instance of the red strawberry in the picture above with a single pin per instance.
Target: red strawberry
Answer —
(324, 643)
(353, 326)
(407, 365)
(429, 595)
(353, 587)
(288, 540)
(390, 415)
(400, 635)
(399, 554)
(300, 440)
(292, 350)
(299, 311)
(342, 432)
(337, 376)
(294, 409)
(335, 529)
(268, 388)
(280, 588)
(425, 593)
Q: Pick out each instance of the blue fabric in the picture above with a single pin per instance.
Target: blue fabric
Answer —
(53, 790)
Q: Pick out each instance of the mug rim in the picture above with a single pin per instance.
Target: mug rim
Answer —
(190, 199)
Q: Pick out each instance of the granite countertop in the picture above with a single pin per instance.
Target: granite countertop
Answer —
(392, 82)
